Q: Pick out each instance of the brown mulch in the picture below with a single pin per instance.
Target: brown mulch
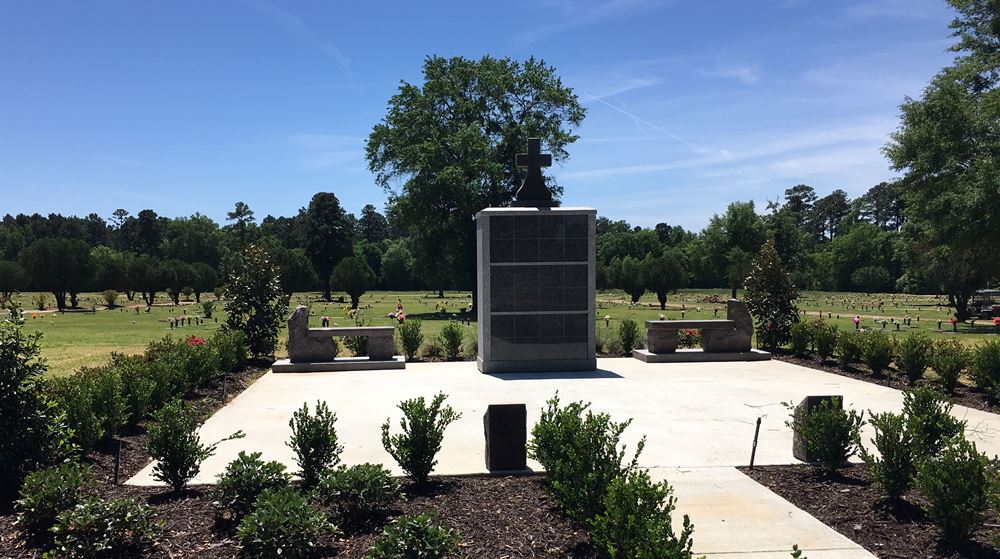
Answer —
(849, 503)
(511, 516)
(496, 517)
(967, 396)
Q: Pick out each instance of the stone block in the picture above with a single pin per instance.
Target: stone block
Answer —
(805, 406)
(381, 348)
(506, 429)
(301, 347)
(661, 340)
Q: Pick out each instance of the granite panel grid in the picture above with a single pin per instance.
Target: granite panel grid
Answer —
(536, 300)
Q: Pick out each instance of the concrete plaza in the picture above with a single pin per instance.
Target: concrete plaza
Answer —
(698, 418)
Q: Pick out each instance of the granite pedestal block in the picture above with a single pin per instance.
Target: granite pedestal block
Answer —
(536, 278)
(807, 404)
(506, 429)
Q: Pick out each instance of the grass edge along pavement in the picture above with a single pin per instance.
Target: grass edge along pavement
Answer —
(83, 338)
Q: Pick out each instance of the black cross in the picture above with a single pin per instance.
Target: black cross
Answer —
(533, 191)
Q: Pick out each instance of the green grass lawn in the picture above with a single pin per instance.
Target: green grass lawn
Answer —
(75, 339)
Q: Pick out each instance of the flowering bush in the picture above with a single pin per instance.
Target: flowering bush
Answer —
(689, 338)
(194, 341)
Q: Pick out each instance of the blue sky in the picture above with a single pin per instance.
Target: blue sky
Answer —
(188, 106)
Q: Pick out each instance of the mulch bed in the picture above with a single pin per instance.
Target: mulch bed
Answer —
(963, 396)
(851, 505)
(496, 517)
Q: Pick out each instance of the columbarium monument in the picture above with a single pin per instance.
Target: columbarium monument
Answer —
(536, 277)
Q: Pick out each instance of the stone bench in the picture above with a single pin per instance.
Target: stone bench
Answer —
(315, 345)
(731, 335)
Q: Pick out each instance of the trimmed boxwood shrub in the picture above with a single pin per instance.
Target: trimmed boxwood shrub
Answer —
(914, 355)
(422, 432)
(830, 433)
(410, 337)
(314, 440)
(628, 335)
(175, 445)
(892, 468)
(985, 367)
(451, 338)
(949, 358)
(800, 337)
(848, 348)
(283, 524)
(580, 451)
(636, 522)
(47, 493)
(100, 528)
(825, 339)
(877, 351)
(244, 479)
(137, 386)
(358, 492)
(415, 535)
(929, 421)
(956, 485)
(231, 347)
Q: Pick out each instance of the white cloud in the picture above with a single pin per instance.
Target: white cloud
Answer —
(295, 27)
(746, 74)
(581, 13)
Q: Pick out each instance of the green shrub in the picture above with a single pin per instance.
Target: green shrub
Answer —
(200, 361)
(949, 358)
(956, 486)
(579, 449)
(207, 308)
(423, 430)
(174, 444)
(929, 421)
(169, 377)
(636, 522)
(137, 386)
(410, 337)
(33, 431)
(231, 348)
(283, 524)
(106, 396)
(432, 349)
(800, 337)
(628, 335)
(46, 493)
(892, 469)
(830, 433)
(413, 536)
(877, 350)
(74, 396)
(848, 348)
(451, 337)
(825, 339)
(357, 345)
(104, 528)
(359, 492)
(244, 479)
(314, 440)
(985, 367)
(915, 355)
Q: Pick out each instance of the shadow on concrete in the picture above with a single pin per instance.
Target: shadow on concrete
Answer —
(560, 375)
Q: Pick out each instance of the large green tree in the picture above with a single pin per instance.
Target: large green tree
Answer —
(948, 146)
(663, 275)
(329, 236)
(730, 241)
(255, 303)
(452, 142)
(13, 278)
(353, 276)
(60, 266)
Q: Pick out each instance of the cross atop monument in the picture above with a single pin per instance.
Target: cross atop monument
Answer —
(533, 192)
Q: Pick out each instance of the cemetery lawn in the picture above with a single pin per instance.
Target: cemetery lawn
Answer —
(76, 339)
(851, 505)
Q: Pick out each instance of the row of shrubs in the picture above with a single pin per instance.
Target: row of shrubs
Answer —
(269, 515)
(924, 447)
(453, 342)
(913, 354)
(100, 401)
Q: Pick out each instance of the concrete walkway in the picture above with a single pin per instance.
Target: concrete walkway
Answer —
(698, 418)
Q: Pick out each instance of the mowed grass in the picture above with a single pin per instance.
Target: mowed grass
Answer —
(77, 339)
